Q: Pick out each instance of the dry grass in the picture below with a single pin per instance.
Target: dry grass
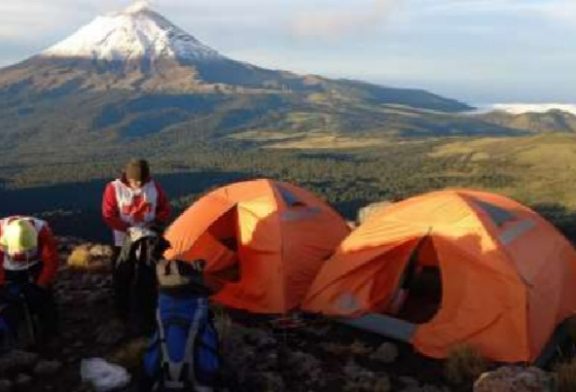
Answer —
(80, 257)
(222, 322)
(463, 365)
(565, 376)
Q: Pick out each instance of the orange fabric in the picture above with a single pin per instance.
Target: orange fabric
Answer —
(507, 280)
(282, 235)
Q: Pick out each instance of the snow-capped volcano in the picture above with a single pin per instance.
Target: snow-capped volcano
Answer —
(136, 49)
(134, 34)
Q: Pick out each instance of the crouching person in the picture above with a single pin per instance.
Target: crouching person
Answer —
(28, 267)
(184, 352)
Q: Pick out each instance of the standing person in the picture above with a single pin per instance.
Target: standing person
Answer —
(133, 201)
(28, 268)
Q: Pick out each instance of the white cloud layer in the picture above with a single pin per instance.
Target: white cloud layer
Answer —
(519, 108)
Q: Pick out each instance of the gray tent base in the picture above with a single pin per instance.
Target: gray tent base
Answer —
(403, 331)
(383, 325)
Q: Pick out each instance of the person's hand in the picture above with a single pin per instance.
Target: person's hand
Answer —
(137, 232)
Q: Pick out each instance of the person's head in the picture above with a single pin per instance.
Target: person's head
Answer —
(137, 173)
(19, 239)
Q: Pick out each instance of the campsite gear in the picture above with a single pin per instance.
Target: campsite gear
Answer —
(134, 279)
(507, 275)
(103, 376)
(184, 353)
(263, 242)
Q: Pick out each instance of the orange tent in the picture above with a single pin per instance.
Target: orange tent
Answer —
(273, 235)
(508, 277)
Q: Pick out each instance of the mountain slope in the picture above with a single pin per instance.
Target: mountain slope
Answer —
(135, 77)
(550, 121)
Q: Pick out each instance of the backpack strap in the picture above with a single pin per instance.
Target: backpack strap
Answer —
(178, 375)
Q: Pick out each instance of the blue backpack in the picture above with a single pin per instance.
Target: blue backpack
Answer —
(184, 352)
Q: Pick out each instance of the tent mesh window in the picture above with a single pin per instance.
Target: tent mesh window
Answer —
(498, 215)
(289, 198)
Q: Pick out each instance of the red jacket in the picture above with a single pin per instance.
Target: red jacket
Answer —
(47, 252)
(120, 219)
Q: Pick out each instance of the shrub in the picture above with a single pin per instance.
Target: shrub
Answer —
(463, 365)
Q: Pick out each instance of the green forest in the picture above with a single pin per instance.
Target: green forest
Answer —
(67, 190)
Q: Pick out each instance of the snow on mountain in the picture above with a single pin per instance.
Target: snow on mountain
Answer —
(134, 34)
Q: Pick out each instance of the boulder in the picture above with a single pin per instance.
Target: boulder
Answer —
(514, 379)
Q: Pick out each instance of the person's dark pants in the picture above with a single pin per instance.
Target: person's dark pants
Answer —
(135, 294)
(22, 300)
(121, 278)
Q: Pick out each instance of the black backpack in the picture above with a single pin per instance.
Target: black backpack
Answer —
(184, 353)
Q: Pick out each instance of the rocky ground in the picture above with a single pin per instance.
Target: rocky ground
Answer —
(317, 355)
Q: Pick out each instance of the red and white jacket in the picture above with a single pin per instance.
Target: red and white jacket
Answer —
(47, 253)
(124, 207)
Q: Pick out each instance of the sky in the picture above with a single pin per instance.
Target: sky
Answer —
(478, 51)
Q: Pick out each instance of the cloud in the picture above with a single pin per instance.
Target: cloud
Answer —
(519, 108)
(551, 10)
(335, 23)
(139, 5)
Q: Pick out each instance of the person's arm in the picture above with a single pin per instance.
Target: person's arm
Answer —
(163, 206)
(49, 257)
(110, 212)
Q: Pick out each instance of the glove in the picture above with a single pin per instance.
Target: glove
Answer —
(136, 232)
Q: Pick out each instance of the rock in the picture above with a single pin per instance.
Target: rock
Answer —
(386, 353)
(47, 368)
(304, 365)
(359, 379)
(425, 388)
(409, 382)
(111, 333)
(267, 381)
(5, 385)
(514, 379)
(431, 388)
(359, 348)
(22, 382)
(335, 348)
(17, 360)
(258, 337)
(371, 209)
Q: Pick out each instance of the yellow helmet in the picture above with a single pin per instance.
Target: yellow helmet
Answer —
(19, 236)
